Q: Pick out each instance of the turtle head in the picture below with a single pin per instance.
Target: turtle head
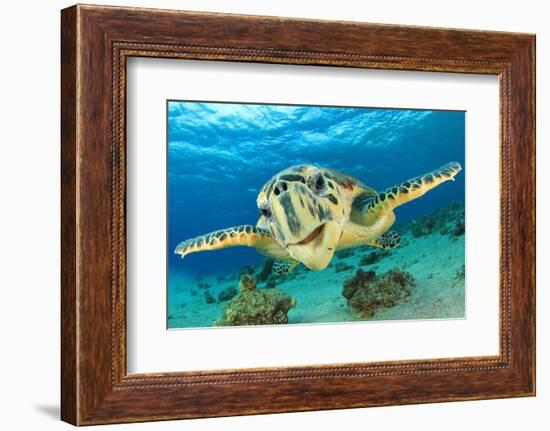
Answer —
(304, 211)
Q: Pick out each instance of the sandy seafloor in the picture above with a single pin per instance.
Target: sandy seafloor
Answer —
(434, 260)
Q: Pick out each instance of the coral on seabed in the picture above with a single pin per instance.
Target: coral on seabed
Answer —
(361, 278)
(448, 220)
(247, 270)
(365, 292)
(247, 282)
(209, 298)
(342, 254)
(254, 306)
(204, 285)
(373, 257)
(459, 228)
(461, 273)
(341, 267)
(270, 284)
(265, 272)
(227, 293)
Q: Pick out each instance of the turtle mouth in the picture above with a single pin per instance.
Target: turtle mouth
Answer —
(311, 237)
(316, 250)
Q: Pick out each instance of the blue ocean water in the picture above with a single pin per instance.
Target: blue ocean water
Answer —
(221, 154)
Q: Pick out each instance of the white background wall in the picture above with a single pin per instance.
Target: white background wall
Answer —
(29, 215)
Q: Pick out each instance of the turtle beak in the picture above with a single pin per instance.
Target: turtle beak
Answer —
(316, 250)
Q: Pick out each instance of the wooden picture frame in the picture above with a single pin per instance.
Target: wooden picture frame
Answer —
(96, 41)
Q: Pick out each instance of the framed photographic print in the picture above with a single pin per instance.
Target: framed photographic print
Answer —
(326, 222)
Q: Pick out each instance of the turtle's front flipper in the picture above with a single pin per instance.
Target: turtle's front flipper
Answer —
(246, 235)
(373, 206)
(388, 240)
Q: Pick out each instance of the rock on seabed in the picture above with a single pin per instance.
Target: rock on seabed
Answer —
(254, 306)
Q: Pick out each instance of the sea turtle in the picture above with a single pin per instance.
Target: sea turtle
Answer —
(309, 212)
